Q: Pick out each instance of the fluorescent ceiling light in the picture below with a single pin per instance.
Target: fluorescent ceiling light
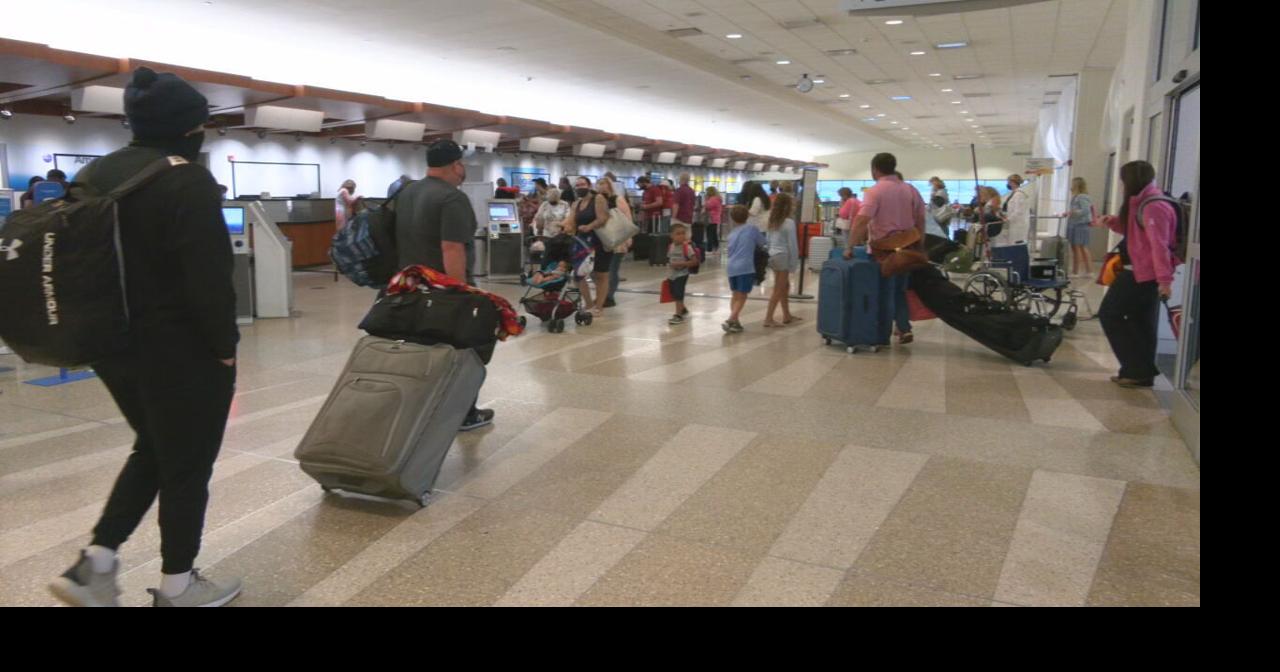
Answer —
(900, 98)
(935, 74)
(845, 95)
(819, 81)
(893, 22)
(948, 90)
(882, 114)
(952, 45)
(865, 107)
(784, 62)
(957, 102)
(734, 36)
(917, 53)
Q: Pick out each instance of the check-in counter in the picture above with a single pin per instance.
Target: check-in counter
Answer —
(307, 222)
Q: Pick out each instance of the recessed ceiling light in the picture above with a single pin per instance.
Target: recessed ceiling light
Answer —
(917, 53)
(935, 74)
(865, 107)
(882, 114)
(957, 102)
(900, 98)
(894, 123)
(784, 62)
(893, 22)
(964, 111)
(948, 90)
(734, 36)
(819, 81)
(871, 119)
(845, 95)
(952, 45)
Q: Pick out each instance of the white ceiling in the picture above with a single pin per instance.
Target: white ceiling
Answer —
(605, 64)
(1016, 51)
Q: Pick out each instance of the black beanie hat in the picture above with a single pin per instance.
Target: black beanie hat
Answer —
(162, 106)
(442, 153)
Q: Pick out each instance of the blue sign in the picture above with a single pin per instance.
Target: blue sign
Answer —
(48, 191)
(6, 209)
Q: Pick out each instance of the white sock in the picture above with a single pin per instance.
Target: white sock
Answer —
(102, 558)
(173, 585)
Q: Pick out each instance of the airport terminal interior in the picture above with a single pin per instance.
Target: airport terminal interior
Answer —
(635, 459)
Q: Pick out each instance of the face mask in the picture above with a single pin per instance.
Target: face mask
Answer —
(189, 146)
(582, 193)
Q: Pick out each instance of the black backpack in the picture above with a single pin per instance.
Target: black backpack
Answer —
(62, 275)
(1182, 213)
(365, 249)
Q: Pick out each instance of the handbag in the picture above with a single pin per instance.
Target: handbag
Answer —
(666, 296)
(897, 253)
(618, 230)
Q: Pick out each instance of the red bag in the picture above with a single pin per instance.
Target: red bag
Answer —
(667, 296)
(1175, 319)
(919, 311)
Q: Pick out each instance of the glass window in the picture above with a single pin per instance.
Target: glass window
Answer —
(1179, 34)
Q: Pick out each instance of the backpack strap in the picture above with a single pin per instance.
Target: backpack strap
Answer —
(147, 174)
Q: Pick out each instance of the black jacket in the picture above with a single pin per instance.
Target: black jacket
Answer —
(177, 254)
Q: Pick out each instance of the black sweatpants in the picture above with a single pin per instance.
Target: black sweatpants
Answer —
(1130, 319)
(178, 407)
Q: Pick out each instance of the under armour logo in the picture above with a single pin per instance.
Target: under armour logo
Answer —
(10, 250)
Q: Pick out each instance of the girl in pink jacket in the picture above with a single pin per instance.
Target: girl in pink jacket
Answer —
(1130, 311)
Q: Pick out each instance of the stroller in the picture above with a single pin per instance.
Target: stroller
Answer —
(553, 299)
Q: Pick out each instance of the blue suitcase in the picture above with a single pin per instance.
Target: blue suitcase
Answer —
(849, 303)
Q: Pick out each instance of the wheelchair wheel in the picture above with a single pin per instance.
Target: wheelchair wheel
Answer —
(524, 321)
(988, 286)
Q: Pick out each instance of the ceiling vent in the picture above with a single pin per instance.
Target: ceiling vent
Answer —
(684, 32)
(802, 23)
(878, 82)
(842, 52)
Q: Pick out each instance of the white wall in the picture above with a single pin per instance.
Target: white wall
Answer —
(1089, 155)
(949, 164)
(32, 139)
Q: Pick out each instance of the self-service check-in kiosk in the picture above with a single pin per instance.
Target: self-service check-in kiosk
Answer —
(242, 254)
(506, 238)
(259, 246)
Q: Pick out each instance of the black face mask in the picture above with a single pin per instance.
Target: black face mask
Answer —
(189, 146)
(582, 193)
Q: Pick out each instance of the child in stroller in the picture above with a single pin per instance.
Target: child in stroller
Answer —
(549, 296)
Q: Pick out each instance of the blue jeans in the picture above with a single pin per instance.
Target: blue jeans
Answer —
(893, 302)
(614, 267)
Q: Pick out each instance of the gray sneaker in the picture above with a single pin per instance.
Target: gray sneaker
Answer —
(678, 319)
(80, 586)
(201, 593)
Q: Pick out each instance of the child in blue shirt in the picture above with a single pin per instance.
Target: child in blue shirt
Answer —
(743, 242)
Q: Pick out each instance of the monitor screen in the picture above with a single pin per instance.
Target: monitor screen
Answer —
(234, 217)
(502, 212)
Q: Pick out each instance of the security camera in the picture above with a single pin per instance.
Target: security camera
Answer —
(262, 135)
(805, 85)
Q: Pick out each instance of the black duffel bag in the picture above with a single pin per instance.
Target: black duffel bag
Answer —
(461, 319)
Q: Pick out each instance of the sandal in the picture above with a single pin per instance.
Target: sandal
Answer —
(771, 325)
(792, 320)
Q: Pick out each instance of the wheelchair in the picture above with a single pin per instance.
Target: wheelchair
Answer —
(1038, 286)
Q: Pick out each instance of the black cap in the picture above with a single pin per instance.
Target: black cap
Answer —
(442, 153)
(163, 106)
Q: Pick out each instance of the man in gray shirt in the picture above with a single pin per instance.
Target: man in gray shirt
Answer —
(436, 227)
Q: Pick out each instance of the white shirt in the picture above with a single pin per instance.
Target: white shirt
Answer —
(759, 215)
(1018, 228)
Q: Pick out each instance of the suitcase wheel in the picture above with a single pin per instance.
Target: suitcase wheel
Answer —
(852, 350)
(424, 500)
(524, 322)
(826, 340)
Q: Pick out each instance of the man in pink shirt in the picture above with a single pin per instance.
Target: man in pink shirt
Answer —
(890, 206)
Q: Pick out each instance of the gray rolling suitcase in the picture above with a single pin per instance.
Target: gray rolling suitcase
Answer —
(389, 422)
